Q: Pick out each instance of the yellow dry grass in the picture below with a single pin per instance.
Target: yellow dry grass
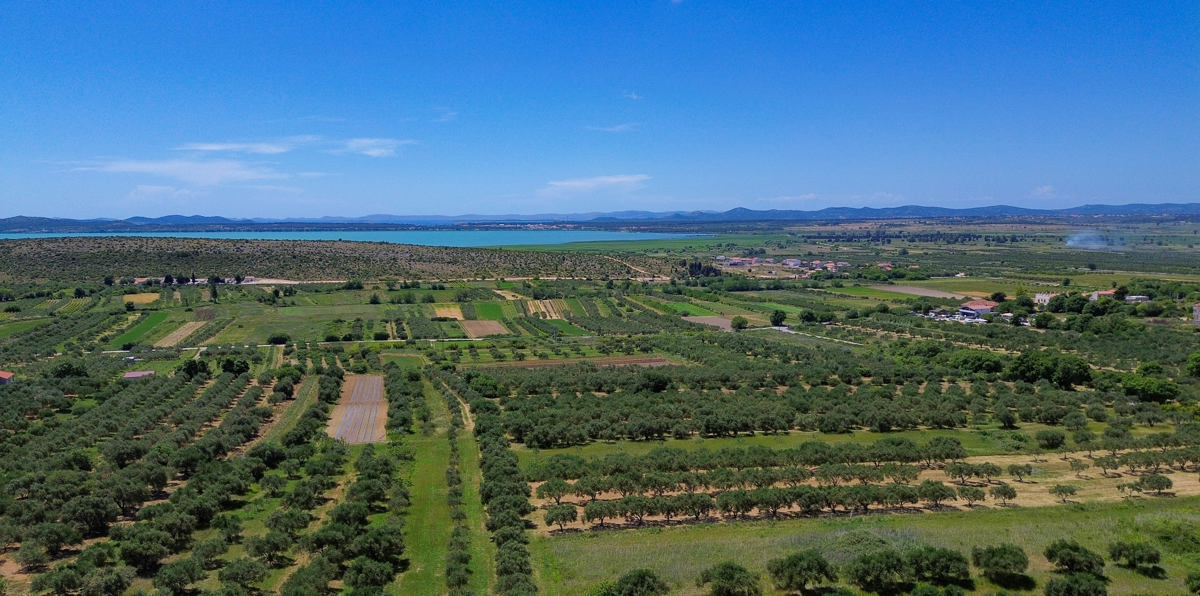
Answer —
(141, 298)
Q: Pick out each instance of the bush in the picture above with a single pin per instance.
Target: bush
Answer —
(730, 579)
(1068, 556)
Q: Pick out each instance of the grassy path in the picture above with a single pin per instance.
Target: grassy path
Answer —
(483, 552)
(429, 523)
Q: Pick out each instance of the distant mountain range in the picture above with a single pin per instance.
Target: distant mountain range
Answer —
(200, 223)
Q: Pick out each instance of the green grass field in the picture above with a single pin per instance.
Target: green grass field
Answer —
(565, 328)
(134, 334)
(489, 311)
(573, 563)
(15, 327)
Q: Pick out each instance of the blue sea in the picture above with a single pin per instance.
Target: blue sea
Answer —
(462, 238)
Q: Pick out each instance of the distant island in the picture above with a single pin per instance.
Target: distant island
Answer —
(641, 220)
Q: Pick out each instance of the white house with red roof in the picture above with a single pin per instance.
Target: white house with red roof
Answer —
(977, 308)
(6, 377)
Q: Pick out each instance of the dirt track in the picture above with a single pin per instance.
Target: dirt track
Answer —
(362, 412)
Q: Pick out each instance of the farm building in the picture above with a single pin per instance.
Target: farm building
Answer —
(977, 308)
(1196, 312)
(1103, 294)
(138, 374)
(1043, 298)
(6, 377)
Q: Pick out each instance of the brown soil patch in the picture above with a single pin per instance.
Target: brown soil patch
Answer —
(449, 311)
(719, 322)
(140, 298)
(507, 295)
(483, 328)
(173, 338)
(361, 414)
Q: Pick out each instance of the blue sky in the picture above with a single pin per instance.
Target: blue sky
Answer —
(255, 109)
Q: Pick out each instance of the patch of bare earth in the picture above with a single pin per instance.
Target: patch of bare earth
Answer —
(719, 322)
(173, 338)
(448, 311)
(483, 328)
(360, 415)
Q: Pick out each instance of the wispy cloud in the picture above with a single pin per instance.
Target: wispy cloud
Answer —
(623, 127)
(617, 183)
(1045, 192)
(151, 192)
(631, 95)
(445, 115)
(373, 147)
(198, 172)
(258, 147)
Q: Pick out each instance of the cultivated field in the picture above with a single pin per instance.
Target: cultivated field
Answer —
(483, 328)
(361, 415)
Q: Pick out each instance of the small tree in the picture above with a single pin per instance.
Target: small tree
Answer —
(1003, 493)
(1063, 491)
(1079, 466)
(560, 514)
(1133, 554)
(1020, 471)
(1078, 584)
(935, 492)
(730, 579)
(938, 566)
(971, 494)
(877, 571)
(1000, 562)
(554, 488)
(243, 572)
(796, 571)
(777, 318)
(1068, 556)
(639, 582)
(739, 323)
(1155, 482)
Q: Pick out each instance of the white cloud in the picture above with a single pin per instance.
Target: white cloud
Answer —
(373, 147)
(631, 95)
(199, 172)
(1046, 191)
(617, 183)
(445, 115)
(151, 192)
(260, 147)
(623, 127)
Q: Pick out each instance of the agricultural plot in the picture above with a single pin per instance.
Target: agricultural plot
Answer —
(489, 311)
(181, 333)
(548, 309)
(141, 299)
(449, 311)
(361, 415)
(483, 328)
(134, 334)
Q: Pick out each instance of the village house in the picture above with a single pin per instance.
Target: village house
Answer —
(977, 308)
(1043, 298)
(6, 377)
(1098, 294)
(1196, 313)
